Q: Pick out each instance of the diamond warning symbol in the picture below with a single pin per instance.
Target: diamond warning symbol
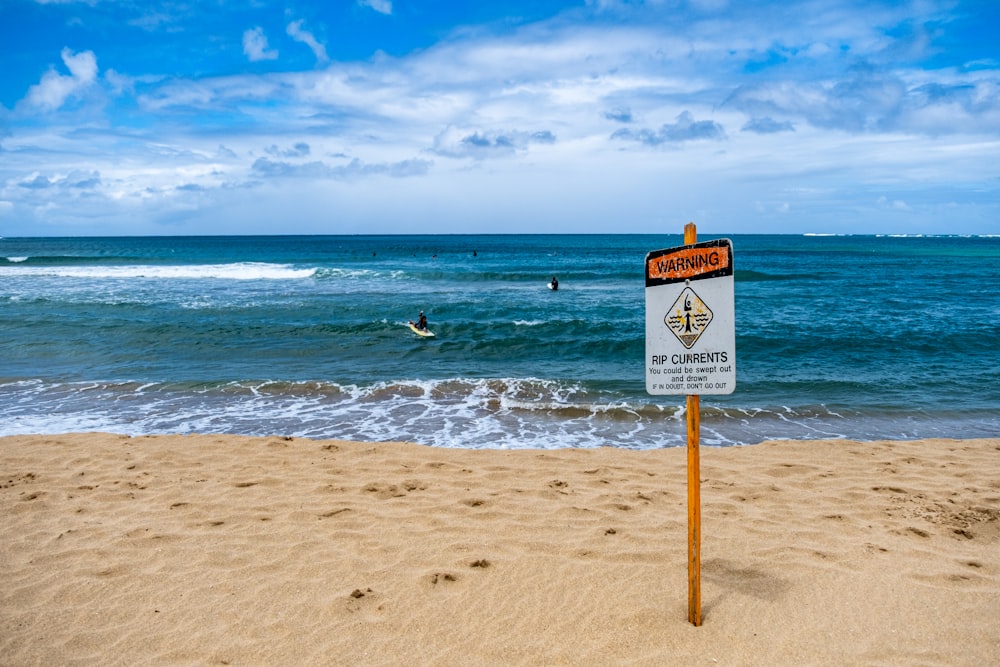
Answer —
(688, 317)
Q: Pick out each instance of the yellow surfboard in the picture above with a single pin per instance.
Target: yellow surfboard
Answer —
(420, 332)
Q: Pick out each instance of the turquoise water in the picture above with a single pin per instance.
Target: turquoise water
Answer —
(857, 336)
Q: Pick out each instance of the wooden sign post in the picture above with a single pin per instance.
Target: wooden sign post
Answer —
(691, 350)
(694, 485)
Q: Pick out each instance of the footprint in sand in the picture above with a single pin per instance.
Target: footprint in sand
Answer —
(364, 600)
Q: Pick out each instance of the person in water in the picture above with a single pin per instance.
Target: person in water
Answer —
(421, 322)
(555, 283)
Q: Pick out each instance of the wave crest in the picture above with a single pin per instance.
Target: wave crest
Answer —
(235, 271)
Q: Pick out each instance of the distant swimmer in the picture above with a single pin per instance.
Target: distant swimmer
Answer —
(554, 285)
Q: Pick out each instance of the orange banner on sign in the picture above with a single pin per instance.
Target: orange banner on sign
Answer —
(688, 263)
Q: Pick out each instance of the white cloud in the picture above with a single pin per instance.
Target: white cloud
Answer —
(767, 125)
(54, 89)
(685, 129)
(895, 204)
(255, 45)
(300, 149)
(381, 6)
(482, 144)
(296, 32)
(267, 168)
(606, 121)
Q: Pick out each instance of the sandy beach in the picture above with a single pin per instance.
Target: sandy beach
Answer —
(215, 550)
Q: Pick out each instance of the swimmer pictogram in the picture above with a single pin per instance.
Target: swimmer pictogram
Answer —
(688, 317)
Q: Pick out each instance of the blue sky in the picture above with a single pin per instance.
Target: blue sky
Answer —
(414, 116)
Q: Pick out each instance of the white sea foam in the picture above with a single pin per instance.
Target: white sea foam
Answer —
(467, 413)
(459, 412)
(237, 271)
(348, 274)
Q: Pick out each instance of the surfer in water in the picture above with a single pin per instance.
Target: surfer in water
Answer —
(554, 285)
(421, 322)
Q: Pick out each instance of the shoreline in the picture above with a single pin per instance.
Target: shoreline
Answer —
(220, 549)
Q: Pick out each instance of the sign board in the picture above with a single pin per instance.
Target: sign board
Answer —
(691, 320)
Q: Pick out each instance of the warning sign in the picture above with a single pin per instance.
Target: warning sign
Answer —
(691, 320)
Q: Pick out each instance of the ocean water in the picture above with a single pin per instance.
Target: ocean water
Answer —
(864, 337)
